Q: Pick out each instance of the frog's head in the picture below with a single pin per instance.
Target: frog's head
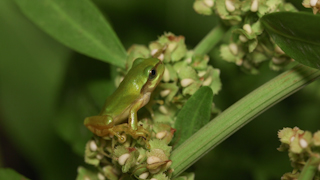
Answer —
(151, 70)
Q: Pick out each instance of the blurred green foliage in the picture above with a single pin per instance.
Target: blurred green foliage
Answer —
(36, 70)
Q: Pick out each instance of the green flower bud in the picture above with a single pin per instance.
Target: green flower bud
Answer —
(316, 138)
(110, 172)
(285, 135)
(203, 6)
(136, 51)
(91, 153)
(173, 46)
(160, 176)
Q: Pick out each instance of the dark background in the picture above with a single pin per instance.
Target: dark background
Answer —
(33, 72)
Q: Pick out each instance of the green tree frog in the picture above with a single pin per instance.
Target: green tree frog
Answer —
(132, 94)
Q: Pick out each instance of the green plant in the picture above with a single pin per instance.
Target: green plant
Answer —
(85, 83)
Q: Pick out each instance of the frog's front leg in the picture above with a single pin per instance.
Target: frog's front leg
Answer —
(134, 130)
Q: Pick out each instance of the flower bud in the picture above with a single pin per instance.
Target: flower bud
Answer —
(230, 6)
(247, 28)
(186, 82)
(144, 175)
(254, 6)
(123, 158)
(153, 159)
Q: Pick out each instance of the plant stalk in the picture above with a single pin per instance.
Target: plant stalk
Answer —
(309, 169)
(210, 40)
(239, 114)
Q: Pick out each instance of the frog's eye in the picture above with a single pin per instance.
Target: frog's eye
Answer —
(152, 73)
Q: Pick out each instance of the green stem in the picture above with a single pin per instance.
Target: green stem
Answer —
(309, 169)
(239, 114)
(211, 39)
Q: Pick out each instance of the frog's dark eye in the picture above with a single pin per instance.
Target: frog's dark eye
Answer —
(152, 73)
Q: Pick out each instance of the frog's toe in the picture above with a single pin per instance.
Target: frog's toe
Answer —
(122, 138)
(141, 133)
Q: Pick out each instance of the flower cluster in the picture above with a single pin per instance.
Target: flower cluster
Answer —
(248, 44)
(185, 72)
(301, 145)
(114, 160)
(314, 4)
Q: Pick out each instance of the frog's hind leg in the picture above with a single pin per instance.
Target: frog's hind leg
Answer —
(116, 131)
(99, 125)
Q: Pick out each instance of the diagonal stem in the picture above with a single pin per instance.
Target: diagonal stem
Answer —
(239, 114)
(210, 40)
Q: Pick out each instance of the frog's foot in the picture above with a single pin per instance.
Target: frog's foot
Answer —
(140, 132)
(118, 132)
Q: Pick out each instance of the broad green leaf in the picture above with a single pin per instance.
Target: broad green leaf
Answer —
(32, 66)
(297, 34)
(77, 24)
(194, 114)
(6, 173)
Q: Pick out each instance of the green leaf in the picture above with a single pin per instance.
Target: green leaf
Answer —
(11, 174)
(239, 114)
(32, 66)
(77, 24)
(194, 114)
(297, 34)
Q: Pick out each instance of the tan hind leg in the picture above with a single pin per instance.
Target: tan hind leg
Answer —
(99, 125)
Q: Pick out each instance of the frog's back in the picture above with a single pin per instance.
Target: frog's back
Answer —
(130, 89)
(126, 94)
(117, 103)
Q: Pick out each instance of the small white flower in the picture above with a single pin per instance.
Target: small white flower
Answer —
(303, 143)
(209, 3)
(101, 177)
(161, 135)
(202, 73)
(233, 48)
(153, 159)
(186, 82)
(144, 175)
(230, 6)
(123, 158)
(208, 81)
(254, 6)
(154, 171)
(313, 2)
(161, 56)
(292, 138)
(93, 146)
(165, 93)
(166, 75)
(154, 51)
(243, 38)
(247, 28)
(163, 109)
